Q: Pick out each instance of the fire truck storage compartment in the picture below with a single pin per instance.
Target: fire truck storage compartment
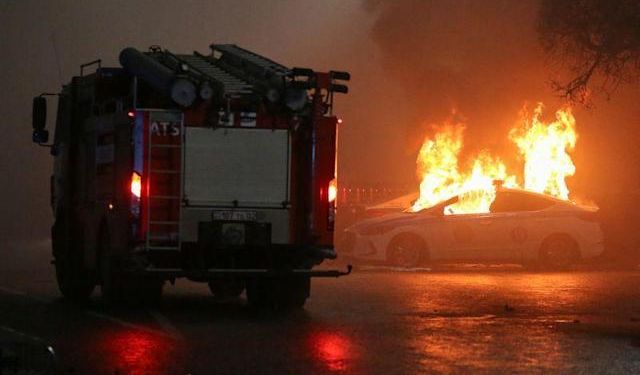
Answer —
(236, 167)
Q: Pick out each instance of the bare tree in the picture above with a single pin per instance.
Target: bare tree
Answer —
(597, 40)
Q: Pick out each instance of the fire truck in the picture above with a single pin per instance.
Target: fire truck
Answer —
(217, 168)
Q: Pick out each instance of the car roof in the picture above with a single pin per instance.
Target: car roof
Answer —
(530, 193)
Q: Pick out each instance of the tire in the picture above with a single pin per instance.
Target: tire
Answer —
(111, 286)
(226, 288)
(558, 252)
(406, 251)
(279, 294)
(73, 281)
(119, 288)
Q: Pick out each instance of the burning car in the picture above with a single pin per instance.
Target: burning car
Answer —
(520, 226)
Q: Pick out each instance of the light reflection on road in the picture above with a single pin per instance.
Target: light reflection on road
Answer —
(333, 349)
(521, 328)
(133, 352)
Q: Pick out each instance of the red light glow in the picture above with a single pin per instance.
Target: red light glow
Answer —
(137, 352)
(332, 349)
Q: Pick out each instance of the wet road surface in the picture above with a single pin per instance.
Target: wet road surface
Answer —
(375, 321)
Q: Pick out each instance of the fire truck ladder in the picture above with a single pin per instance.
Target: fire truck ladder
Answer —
(247, 57)
(232, 84)
(164, 208)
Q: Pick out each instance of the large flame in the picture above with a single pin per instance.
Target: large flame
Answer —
(544, 148)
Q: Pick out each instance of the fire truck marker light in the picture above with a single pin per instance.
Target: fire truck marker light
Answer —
(136, 184)
(131, 114)
(339, 121)
(111, 206)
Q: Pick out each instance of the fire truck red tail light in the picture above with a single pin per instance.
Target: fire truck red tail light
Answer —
(131, 114)
(333, 191)
(136, 184)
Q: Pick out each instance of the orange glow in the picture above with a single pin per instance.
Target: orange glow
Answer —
(136, 184)
(333, 191)
(544, 148)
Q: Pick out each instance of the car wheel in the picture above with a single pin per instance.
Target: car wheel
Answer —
(559, 252)
(406, 251)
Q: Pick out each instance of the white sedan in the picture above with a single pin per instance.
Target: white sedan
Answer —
(521, 227)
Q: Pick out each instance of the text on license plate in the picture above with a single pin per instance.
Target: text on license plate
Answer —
(233, 215)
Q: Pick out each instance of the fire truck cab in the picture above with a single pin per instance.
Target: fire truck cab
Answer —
(219, 168)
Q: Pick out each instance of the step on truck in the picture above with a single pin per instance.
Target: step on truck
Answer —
(217, 168)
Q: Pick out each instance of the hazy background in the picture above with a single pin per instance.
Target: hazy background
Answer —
(411, 61)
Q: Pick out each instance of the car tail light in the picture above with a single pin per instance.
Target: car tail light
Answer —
(136, 184)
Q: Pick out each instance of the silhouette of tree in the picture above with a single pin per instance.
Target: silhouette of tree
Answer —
(597, 40)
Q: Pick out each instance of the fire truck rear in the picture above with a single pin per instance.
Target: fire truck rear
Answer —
(220, 168)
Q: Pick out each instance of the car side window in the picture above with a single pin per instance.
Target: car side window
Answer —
(518, 202)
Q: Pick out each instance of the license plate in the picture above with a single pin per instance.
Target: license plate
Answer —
(232, 215)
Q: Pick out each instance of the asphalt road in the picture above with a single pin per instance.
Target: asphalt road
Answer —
(375, 321)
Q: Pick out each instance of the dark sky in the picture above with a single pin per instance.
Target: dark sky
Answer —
(412, 61)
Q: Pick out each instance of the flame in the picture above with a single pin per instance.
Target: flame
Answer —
(544, 148)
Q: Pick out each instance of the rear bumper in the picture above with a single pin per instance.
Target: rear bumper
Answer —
(210, 274)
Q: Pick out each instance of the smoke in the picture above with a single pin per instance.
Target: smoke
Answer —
(480, 58)
(44, 43)
(412, 63)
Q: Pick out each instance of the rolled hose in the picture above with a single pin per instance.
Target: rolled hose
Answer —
(179, 89)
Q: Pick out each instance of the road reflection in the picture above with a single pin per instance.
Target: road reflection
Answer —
(519, 328)
(133, 352)
(332, 349)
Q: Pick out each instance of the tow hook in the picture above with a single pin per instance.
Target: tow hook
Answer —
(349, 269)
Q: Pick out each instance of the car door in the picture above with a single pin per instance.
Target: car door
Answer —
(467, 235)
(499, 236)
(454, 236)
(513, 222)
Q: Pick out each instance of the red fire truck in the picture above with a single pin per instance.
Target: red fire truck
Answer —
(218, 168)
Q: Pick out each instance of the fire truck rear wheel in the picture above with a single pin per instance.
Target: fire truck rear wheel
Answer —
(110, 283)
(279, 294)
(74, 283)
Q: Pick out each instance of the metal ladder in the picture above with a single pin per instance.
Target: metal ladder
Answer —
(164, 202)
(252, 58)
(232, 84)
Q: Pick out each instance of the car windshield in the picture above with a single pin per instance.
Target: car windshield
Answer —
(435, 208)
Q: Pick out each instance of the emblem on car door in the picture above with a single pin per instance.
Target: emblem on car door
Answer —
(519, 234)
